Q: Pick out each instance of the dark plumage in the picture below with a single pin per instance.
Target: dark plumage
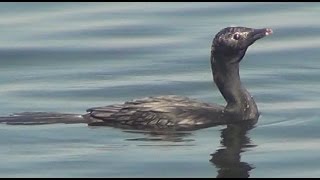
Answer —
(180, 113)
(173, 112)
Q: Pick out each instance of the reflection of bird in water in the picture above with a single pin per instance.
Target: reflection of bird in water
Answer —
(228, 159)
(169, 136)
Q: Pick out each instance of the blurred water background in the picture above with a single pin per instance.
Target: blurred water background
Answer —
(67, 57)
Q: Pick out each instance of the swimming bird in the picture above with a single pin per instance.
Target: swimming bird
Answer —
(228, 48)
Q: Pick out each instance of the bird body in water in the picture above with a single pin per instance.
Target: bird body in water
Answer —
(181, 113)
(160, 112)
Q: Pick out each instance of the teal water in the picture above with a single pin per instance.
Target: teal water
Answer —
(67, 57)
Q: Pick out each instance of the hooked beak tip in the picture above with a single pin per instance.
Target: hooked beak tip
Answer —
(268, 31)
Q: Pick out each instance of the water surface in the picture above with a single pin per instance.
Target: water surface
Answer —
(67, 57)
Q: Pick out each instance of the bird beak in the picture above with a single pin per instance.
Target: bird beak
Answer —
(260, 33)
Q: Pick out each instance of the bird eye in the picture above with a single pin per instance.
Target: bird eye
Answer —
(236, 36)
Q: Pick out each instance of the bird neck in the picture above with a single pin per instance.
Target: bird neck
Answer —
(225, 72)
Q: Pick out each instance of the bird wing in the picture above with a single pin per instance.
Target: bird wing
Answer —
(161, 111)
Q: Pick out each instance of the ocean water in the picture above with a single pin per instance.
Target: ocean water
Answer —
(67, 57)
